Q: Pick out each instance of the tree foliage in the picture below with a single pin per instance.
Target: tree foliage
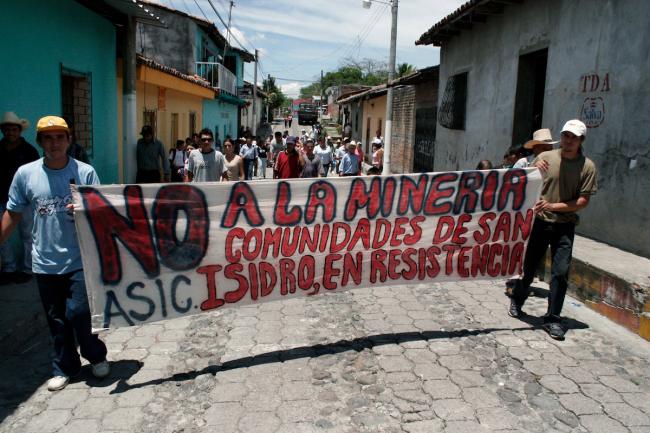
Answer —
(367, 72)
(405, 69)
(276, 98)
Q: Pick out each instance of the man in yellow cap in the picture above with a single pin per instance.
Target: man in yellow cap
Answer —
(43, 187)
(15, 151)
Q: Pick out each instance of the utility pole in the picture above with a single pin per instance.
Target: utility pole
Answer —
(129, 106)
(255, 96)
(232, 3)
(321, 96)
(268, 103)
(389, 97)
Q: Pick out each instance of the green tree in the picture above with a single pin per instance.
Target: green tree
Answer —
(405, 69)
(276, 99)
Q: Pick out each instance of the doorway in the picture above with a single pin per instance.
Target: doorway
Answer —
(529, 99)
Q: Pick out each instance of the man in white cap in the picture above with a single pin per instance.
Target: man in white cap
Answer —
(542, 142)
(42, 187)
(569, 182)
(15, 152)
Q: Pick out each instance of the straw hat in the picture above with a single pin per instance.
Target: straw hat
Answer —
(541, 136)
(10, 118)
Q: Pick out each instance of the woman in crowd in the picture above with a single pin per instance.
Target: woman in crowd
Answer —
(234, 162)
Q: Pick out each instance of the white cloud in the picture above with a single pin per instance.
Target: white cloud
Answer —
(291, 89)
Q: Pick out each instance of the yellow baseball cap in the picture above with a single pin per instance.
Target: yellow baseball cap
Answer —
(51, 123)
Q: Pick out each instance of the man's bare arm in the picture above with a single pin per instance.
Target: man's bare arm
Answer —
(9, 222)
(563, 207)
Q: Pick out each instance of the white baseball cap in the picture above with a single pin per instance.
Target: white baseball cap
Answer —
(576, 127)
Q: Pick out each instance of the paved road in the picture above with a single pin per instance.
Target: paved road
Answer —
(414, 359)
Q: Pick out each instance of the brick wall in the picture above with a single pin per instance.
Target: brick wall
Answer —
(77, 106)
(403, 135)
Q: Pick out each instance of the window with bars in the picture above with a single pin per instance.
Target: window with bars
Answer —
(149, 119)
(454, 102)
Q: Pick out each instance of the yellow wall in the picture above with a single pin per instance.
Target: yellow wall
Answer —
(180, 97)
(375, 109)
(175, 102)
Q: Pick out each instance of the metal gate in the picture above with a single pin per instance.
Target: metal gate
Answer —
(425, 136)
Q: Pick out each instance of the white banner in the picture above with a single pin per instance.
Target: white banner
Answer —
(154, 252)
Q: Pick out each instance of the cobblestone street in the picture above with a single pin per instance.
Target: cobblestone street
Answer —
(415, 359)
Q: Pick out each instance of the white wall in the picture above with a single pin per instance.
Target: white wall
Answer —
(583, 37)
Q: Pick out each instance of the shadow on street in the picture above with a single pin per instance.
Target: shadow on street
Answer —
(357, 344)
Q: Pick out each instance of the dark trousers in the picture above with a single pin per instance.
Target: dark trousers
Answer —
(248, 168)
(68, 317)
(147, 176)
(176, 176)
(560, 237)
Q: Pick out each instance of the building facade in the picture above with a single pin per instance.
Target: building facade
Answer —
(55, 68)
(195, 47)
(510, 68)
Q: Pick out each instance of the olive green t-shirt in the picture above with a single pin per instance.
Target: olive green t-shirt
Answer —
(566, 180)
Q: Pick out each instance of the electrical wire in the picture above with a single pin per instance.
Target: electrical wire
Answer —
(204, 15)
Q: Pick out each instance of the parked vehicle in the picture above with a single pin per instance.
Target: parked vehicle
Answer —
(307, 114)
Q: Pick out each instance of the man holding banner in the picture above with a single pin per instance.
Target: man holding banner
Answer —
(44, 187)
(569, 182)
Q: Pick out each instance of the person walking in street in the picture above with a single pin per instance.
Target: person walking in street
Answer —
(234, 162)
(290, 120)
(339, 153)
(289, 163)
(249, 152)
(568, 184)
(206, 164)
(177, 158)
(263, 149)
(43, 188)
(347, 130)
(16, 151)
(377, 154)
(150, 154)
(350, 162)
(303, 135)
(542, 142)
(324, 153)
(312, 166)
(278, 144)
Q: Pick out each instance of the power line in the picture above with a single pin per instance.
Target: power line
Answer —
(226, 25)
(204, 15)
(293, 79)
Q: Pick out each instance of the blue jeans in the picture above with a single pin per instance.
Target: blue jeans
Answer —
(68, 317)
(560, 237)
(248, 168)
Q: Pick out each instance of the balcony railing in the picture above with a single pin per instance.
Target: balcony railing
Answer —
(218, 76)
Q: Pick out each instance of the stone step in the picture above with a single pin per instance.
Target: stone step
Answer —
(611, 281)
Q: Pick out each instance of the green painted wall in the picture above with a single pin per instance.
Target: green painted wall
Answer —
(40, 36)
(220, 116)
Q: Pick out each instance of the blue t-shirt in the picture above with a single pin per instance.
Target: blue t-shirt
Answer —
(55, 249)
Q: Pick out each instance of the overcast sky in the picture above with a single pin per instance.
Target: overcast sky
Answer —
(296, 39)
